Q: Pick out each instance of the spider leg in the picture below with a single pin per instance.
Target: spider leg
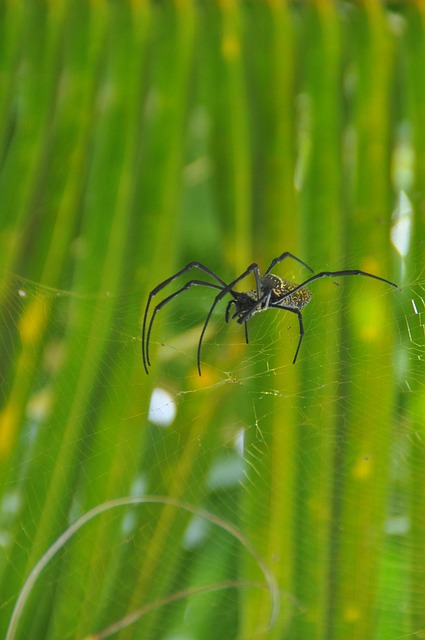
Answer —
(227, 289)
(283, 257)
(337, 274)
(163, 284)
(227, 315)
(166, 301)
(227, 312)
(301, 325)
(300, 321)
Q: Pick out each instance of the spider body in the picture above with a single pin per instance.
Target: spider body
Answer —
(280, 292)
(271, 292)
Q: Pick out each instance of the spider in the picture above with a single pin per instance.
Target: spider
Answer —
(271, 292)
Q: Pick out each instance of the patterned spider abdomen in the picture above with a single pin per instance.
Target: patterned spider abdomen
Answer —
(273, 294)
(280, 287)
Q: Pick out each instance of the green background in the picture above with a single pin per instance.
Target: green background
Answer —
(137, 136)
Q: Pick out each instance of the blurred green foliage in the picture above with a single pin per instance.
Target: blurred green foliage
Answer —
(283, 502)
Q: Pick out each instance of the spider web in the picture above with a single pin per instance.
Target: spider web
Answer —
(221, 420)
(261, 370)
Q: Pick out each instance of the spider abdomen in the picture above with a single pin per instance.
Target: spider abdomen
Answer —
(280, 290)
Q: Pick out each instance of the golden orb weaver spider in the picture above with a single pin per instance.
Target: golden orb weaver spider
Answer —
(271, 292)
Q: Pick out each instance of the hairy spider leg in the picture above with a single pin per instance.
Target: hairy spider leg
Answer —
(159, 287)
(161, 304)
(282, 257)
(337, 274)
(227, 289)
(227, 312)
